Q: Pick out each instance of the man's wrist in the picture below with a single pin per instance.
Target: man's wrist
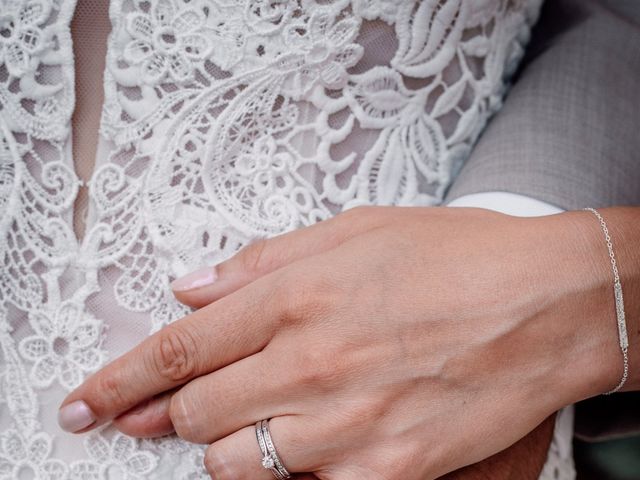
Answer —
(524, 460)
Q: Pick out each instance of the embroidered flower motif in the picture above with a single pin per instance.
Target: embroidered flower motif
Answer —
(20, 34)
(264, 166)
(28, 458)
(326, 51)
(166, 41)
(265, 188)
(64, 347)
(121, 458)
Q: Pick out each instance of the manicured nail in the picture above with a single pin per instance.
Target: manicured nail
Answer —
(75, 416)
(199, 278)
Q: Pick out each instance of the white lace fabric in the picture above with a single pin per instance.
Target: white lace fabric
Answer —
(224, 121)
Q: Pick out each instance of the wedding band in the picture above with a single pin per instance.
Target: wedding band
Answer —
(270, 459)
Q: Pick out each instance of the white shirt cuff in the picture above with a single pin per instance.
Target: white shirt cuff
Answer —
(508, 203)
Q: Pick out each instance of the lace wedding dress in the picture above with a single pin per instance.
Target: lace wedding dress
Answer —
(223, 121)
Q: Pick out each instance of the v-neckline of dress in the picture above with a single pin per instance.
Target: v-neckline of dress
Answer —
(48, 22)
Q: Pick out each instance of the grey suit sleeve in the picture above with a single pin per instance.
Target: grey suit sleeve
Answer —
(569, 131)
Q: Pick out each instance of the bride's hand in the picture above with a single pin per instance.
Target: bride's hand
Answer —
(385, 343)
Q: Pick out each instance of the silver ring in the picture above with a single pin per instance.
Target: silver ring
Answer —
(270, 459)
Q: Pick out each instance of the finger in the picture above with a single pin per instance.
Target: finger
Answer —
(148, 419)
(238, 456)
(215, 405)
(208, 284)
(212, 406)
(235, 327)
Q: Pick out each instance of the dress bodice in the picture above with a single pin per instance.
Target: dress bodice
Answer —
(223, 121)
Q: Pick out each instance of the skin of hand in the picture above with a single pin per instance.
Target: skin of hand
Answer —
(385, 343)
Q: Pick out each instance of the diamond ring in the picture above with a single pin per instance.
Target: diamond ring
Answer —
(270, 459)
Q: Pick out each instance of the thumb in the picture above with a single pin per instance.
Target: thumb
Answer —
(203, 286)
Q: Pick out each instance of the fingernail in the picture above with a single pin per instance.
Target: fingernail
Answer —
(199, 278)
(75, 416)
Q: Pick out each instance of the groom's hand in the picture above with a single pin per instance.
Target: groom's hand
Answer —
(522, 461)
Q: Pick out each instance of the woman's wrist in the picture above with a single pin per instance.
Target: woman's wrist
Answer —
(592, 361)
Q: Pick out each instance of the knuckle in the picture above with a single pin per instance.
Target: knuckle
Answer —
(111, 390)
(317, 368)
(309, 297)
(174, 358)
(216, 466)
(364, 412)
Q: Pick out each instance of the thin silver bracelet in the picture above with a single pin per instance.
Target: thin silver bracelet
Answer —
(617, 291)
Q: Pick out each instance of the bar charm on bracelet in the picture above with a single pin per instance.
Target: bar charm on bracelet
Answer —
(620, 315)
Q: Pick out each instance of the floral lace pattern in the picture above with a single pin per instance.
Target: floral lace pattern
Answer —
(119, 458)
(63, 347)
(21, 35)
(21, 457)
(164, 42)
(226, 121)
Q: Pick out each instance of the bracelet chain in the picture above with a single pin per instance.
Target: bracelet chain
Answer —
(619, 299)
